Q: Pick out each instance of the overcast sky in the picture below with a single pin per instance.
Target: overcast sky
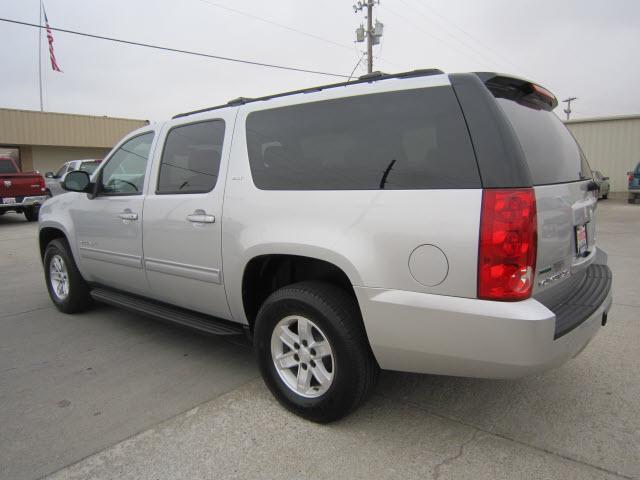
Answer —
(582, 48)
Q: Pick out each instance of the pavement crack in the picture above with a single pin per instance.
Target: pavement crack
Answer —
(508, 438)
(449, 460)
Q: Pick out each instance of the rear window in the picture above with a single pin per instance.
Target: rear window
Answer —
(6, 166)
(552, 154)
(411, 139)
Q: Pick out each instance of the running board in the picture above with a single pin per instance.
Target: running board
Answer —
(168, 313)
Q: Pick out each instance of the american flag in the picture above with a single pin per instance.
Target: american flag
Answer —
(52, 55)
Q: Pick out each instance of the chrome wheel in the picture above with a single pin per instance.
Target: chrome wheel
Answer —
(302, 356)
(59, 277)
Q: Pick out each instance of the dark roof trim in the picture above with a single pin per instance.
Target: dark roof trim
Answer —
(371, 77)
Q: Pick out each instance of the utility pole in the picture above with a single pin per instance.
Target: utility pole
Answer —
(372, 33)
(568, 102)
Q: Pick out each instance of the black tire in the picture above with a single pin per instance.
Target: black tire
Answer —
(78, 298)
(336, 313)
(31, 213)
(605, 196)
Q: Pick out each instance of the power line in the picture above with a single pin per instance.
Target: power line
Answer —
(174, 50)
(280, 25)
(426, 32)
(496, 54)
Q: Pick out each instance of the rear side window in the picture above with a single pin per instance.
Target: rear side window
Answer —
(89, 167)
(552, 154)
(411, 139)
(191, 158)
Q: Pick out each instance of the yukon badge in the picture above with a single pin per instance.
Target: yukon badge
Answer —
(553, 278)
(7, 183)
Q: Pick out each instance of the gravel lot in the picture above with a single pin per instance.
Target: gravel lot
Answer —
(108, 394)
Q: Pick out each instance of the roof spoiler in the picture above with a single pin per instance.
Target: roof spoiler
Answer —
(518, 89)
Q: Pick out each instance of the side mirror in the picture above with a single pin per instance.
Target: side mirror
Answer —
(605, 178)
(48, 175)
(77, 181)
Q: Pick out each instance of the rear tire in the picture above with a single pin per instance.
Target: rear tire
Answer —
(68, 290)
(605, 196)
(324, 383)
(31, 213)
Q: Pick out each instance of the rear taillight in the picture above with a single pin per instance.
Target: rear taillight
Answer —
(630, 177)
(508, 238)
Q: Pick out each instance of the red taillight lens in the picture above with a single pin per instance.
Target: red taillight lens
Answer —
(508, 238)
(630, 177)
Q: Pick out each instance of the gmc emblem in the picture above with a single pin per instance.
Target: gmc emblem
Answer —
(7, 183)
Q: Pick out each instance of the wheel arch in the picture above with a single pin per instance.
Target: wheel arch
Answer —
(46, 235)
(265, 273)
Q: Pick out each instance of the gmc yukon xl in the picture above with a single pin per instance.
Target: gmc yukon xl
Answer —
(421, 222)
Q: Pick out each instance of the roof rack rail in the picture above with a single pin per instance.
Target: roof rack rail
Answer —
(372, 76)
(368, 78)
(239, 101)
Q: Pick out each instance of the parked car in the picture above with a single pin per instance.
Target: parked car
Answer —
(634, 184)
(54, 180)
(421, 222)
(20, 192)
(603, 184)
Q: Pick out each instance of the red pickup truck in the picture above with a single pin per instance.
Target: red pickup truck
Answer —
(20, 192)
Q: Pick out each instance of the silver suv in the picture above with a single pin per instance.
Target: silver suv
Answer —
(421, 222)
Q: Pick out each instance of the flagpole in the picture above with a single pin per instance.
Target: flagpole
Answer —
(40, 54)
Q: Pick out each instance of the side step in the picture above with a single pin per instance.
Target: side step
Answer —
(168, 313)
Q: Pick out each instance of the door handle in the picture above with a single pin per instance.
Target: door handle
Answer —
(200, 216)
(128, 215)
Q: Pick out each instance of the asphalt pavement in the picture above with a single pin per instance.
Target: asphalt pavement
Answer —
(108, 394)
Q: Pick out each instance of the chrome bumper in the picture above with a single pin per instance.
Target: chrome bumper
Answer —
(26, 202)
(424, 333)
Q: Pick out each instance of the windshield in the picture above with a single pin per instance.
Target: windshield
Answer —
(6, 166)
(89, 167)
(552, 154)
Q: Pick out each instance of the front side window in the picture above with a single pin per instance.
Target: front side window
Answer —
(410, 139)
(191, 158)
(125, 171)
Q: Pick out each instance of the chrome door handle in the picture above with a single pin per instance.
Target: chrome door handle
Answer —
(200, 216)
(128, 215)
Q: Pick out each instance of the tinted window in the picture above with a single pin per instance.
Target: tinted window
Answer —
(191, 158)
(89, 167)
(412, 139)
(125, 170)
(6, 166)
(61, 171)
(552, 153)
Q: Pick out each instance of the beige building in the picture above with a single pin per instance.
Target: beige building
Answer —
(611, 144)
(43, 141)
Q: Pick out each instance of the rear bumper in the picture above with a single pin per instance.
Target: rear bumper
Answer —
(425, 333)
(24, 202)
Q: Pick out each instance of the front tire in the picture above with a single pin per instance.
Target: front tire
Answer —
(68, 290)
(313, 352)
